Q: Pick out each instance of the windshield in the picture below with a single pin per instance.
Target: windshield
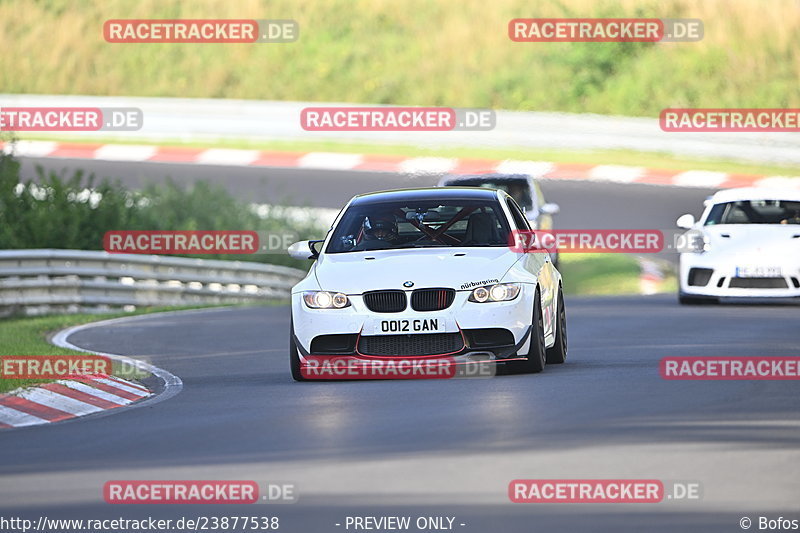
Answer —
(517, 188)
(420, 224)
(755, 212)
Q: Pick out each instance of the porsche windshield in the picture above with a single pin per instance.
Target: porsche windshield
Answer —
(755, 212)
(420, 224)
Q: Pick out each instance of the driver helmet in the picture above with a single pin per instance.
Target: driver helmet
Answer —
(382, 228)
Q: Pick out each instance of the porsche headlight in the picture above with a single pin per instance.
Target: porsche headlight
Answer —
(501, 292)
(699, 243)
(325, 300)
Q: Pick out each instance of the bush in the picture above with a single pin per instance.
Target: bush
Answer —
(72, 212)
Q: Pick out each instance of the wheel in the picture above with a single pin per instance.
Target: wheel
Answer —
(558, 353)
(690, 299)
(535, 358)
(294, 357)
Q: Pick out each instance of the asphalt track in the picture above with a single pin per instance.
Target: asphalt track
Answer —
(437, 448)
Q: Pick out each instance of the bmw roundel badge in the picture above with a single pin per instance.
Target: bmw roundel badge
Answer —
(408, 284)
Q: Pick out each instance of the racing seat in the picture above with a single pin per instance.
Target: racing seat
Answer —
(738, 215)
(481, 229)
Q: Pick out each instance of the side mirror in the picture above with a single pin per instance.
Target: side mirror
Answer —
(685, 221)
(304, 250)
(550, 209)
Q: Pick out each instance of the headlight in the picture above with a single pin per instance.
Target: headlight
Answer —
(699, 243)
(501, 292)
(325, 300)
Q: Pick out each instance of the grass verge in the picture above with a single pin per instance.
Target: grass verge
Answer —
(605, 274)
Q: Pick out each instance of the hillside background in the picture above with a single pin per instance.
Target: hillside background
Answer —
(415, 52)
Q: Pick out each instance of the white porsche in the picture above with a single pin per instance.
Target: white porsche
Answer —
(420, 274)
(746, 244)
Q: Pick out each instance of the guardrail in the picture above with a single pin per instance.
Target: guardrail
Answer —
(35, 282)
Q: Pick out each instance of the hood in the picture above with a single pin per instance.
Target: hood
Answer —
(354, 273)
(759, 239)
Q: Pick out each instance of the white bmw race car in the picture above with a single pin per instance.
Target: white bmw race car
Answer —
(746, 244)
(427, 274)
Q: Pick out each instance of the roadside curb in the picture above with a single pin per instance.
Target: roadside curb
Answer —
(69, 399)
(395, 164)
(66, 399)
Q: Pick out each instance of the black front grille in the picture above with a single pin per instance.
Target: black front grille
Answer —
(432, 299)
(410, 345)
(385, 301)
(758, 283)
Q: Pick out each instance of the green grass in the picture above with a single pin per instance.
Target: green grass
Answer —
(604, 274)
(589, 157)
(28, 336)
(451, 52)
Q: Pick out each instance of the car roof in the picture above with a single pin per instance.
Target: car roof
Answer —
(426, 193)
(487, 177)
(755, 193)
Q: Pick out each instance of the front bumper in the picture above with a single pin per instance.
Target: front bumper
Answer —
(487, 332)
(707, 275)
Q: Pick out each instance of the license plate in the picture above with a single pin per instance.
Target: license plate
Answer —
(410, 325)
(758, 272)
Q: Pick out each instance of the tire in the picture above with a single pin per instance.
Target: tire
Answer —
(558, 353)
(687, 299)
(294, 357)
(536, 357)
